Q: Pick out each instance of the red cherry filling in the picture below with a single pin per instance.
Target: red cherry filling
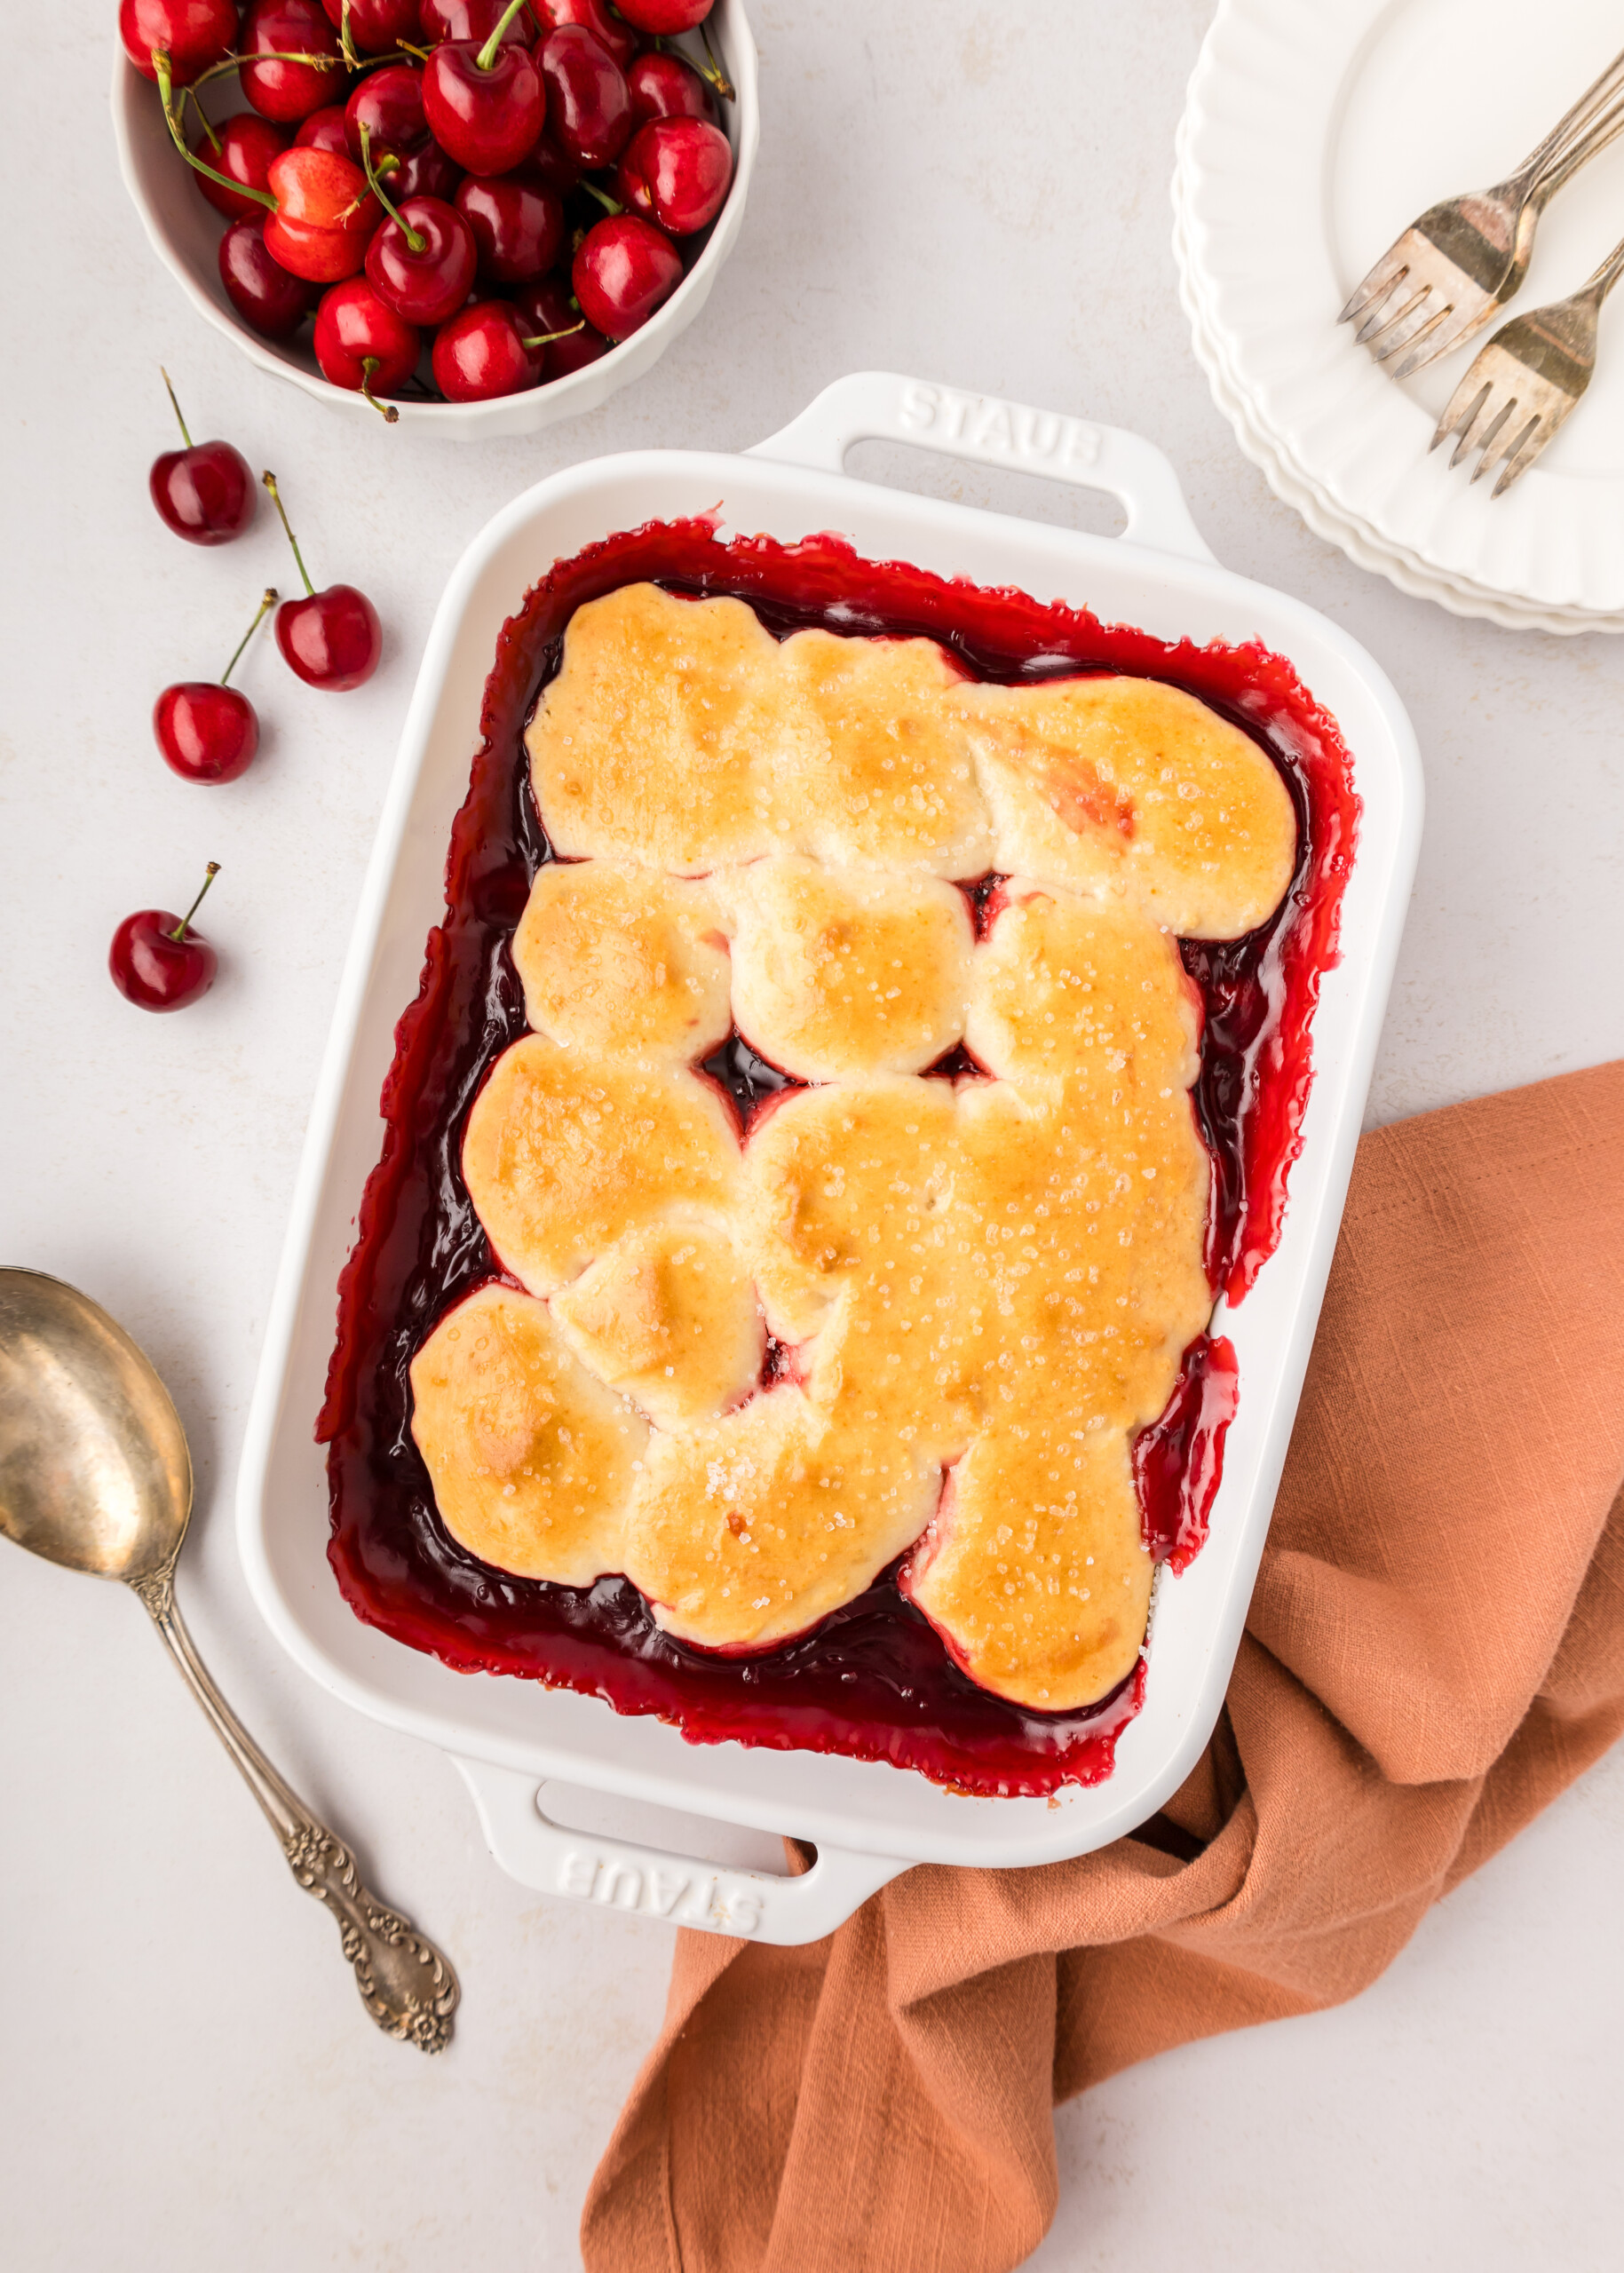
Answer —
(157, 961)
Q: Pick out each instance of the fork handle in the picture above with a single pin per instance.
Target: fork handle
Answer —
(1574, 122)
(1560, 171)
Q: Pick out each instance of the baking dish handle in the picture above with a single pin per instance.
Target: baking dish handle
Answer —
(881, 406)
(649, 1882)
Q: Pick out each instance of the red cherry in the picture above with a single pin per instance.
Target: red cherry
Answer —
(193, 33)
(480, 353)
(389, 104)
(518, 225)
(486, 106)
(587, 100)
(663, 86)
(205, 492)
(331, 639)
(677, 172)
(361, 343)
(323, 129)
(551, 168)
(157, 961)
(547, 311)
(376, 26)
(325, 215)
(280, 28)
(206, 731)
(247, 144)
(421, 262)
(265, 294)
(624, 268)
(609, 30)
(662, 17)
(475, 20)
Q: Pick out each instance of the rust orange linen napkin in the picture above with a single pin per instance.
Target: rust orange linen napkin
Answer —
(1435, 1649)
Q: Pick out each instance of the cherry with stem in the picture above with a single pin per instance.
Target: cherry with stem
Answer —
(206, 731)
(204, 492)
(331, 639)
(157, 961)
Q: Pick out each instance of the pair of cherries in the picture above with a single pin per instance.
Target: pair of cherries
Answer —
(207, 729)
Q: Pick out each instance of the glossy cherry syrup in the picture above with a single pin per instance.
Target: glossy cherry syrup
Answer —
(872, 1680)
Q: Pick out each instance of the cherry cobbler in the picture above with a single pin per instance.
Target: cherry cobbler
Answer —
(856, 1055)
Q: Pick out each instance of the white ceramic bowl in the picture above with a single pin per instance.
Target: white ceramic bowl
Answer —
(185, 232)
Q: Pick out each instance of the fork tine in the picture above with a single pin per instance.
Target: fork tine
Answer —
(1377, 324)
(1536, 435)
(1470, 434)
(1424, 313)
(1423, 344)
(1376, 284)
(1463, 417)
(1495, 449)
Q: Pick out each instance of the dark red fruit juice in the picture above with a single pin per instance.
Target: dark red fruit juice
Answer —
(872, 1680)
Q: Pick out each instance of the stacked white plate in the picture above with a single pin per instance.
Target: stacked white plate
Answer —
(1313, 135)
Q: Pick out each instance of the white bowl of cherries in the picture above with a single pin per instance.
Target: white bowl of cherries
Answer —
(472, 216)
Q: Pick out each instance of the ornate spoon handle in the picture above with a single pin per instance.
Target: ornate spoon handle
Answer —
(406, 1984)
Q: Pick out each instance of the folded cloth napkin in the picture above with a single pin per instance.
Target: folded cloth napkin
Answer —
(1435, 1649)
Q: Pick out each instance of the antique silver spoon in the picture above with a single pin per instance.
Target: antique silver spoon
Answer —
(95, 1475)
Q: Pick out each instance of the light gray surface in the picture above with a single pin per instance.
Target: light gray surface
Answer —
(977, 194)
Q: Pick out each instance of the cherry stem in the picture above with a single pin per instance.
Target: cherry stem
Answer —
(717, 77)
(610, 204)
(543, 338)
(280, 55)
(346, 43)
(266, 606)
(269, 480)
(416, 241)
(179, 421)
(487, 57)
(385, 410)
(179, 932)
(166, 96)
(189, 95)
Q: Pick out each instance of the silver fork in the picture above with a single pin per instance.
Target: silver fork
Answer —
(1453, 268)
(1522, 386)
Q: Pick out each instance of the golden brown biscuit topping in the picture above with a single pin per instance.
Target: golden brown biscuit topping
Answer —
(983, 1288)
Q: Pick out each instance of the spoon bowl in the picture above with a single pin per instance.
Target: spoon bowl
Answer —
(94, 1470)
(95, 1475)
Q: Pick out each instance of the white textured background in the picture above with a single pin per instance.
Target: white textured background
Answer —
(977, 194)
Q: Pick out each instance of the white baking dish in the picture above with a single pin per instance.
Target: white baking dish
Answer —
(869, 1821)
(185, 233)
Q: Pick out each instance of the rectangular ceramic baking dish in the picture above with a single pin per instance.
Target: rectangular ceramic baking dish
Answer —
(514, 1740)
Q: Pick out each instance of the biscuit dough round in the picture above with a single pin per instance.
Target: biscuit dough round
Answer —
(618, 960)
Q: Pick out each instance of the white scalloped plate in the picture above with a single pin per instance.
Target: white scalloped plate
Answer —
(1312, 136)
(1363, 545)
